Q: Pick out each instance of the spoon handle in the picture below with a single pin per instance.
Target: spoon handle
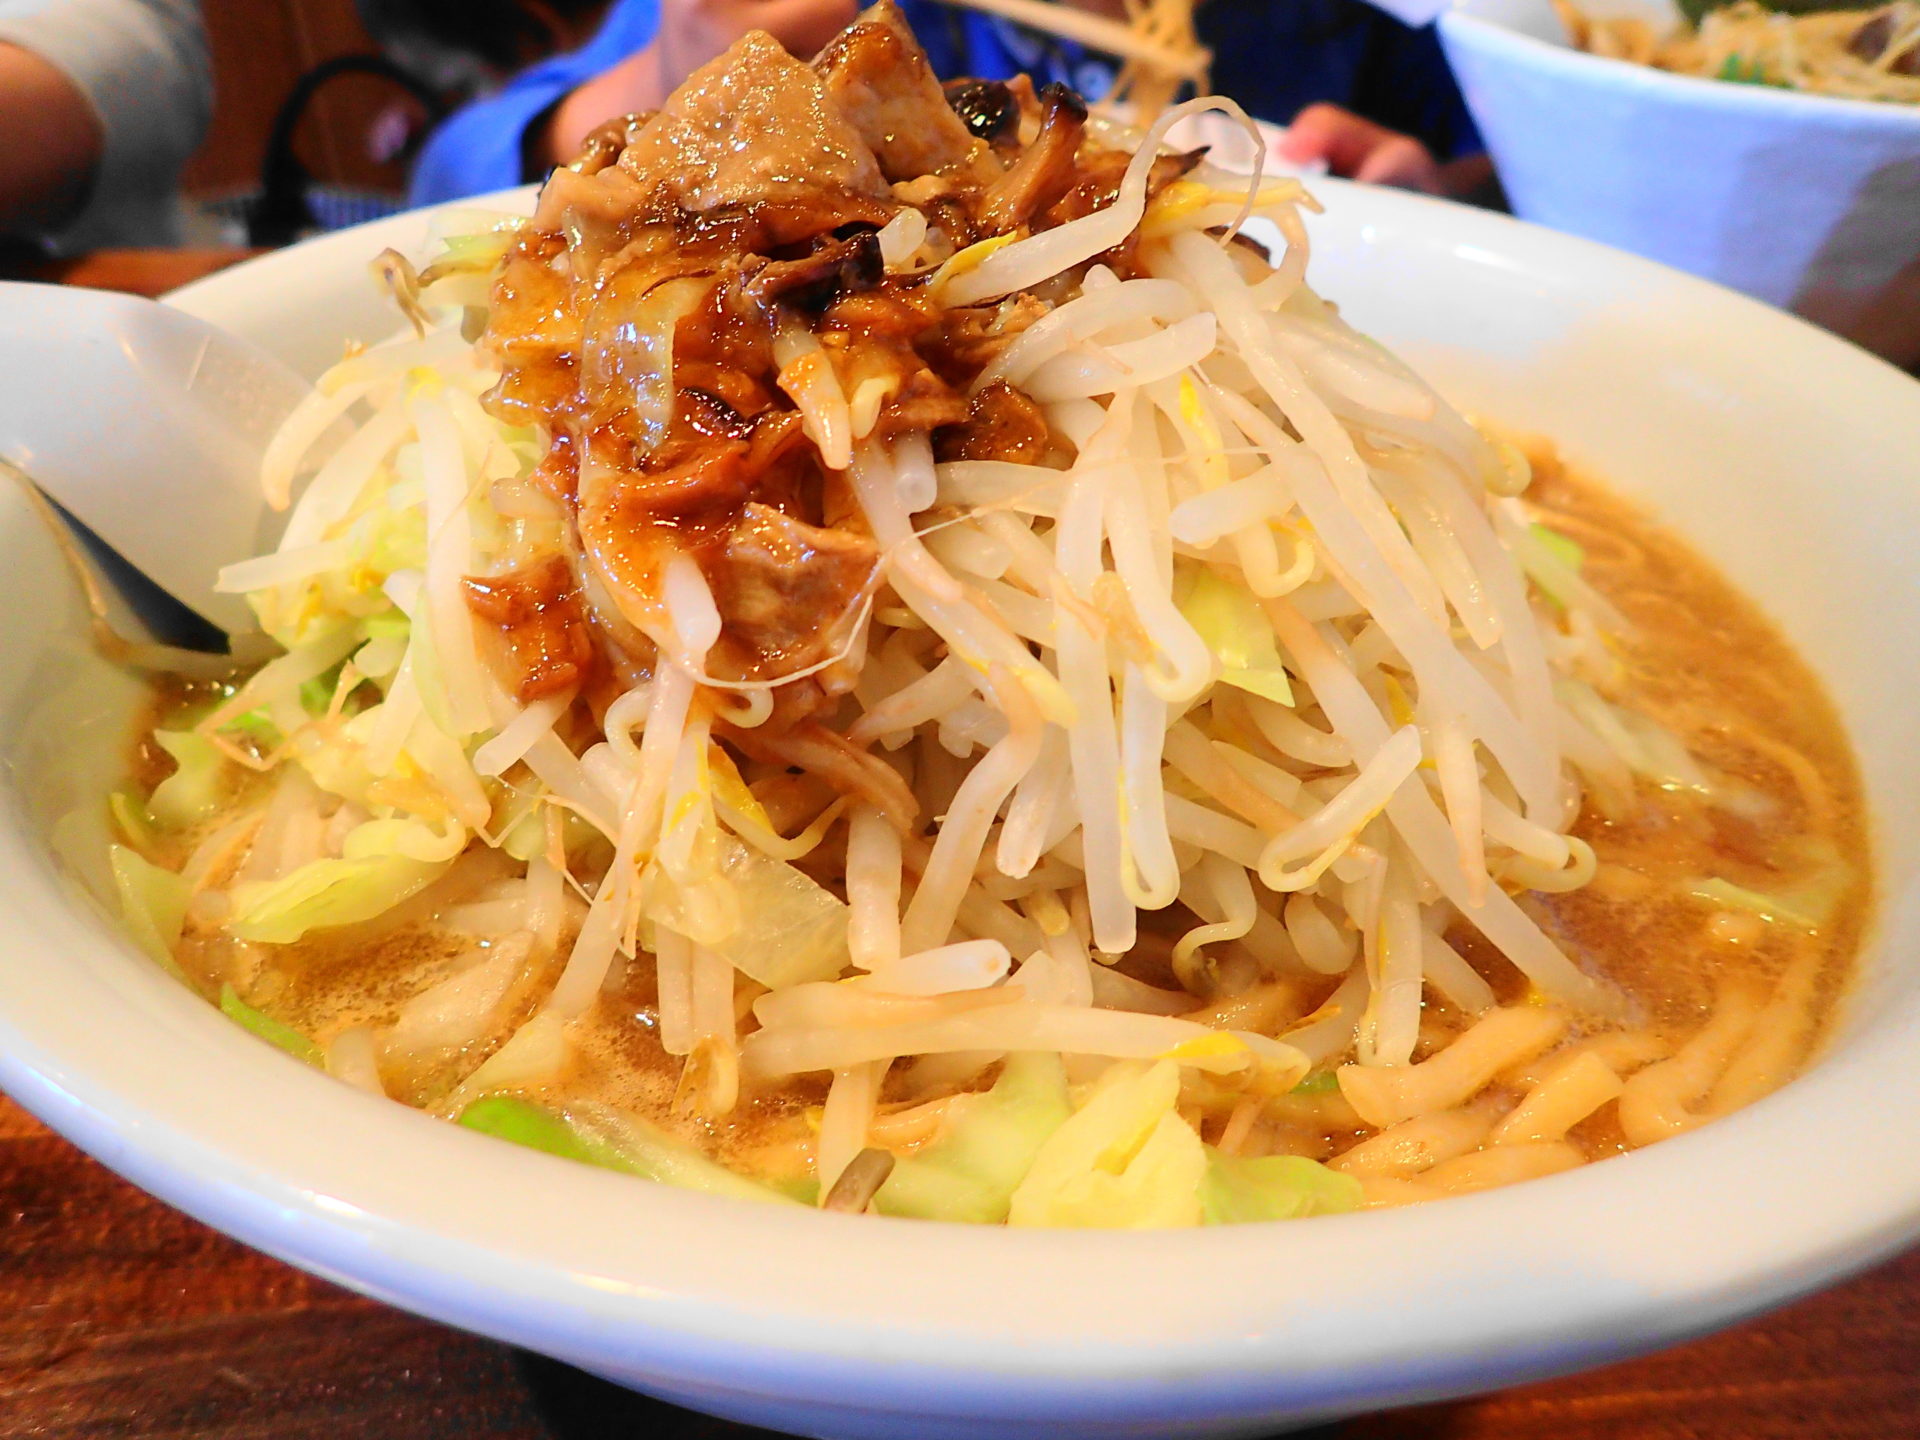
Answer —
(147, 425)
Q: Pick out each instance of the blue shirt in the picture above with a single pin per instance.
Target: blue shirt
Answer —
(1274, 56)
(479, 147)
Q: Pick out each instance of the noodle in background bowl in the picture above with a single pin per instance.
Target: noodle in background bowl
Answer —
(1804, 201)
(1784, 455)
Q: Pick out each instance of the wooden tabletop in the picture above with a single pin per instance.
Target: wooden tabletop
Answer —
(122, 1318)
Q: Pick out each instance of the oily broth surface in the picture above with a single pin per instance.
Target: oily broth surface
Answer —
(1705, 662)
(1701, 660)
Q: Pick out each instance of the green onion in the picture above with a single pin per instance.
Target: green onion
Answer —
(612, 1140)
(1324, 1082)
(270, 1029)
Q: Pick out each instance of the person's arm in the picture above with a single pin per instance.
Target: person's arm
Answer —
(635, 84)
(51, 142)
(101, 103)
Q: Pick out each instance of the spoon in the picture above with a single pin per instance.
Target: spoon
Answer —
(147, 425)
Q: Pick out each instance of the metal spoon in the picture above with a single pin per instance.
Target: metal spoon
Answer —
(147, 425)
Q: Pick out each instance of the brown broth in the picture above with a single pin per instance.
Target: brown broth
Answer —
(1704, 662)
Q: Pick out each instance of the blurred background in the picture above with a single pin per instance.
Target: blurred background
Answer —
(1572, 116)
(299, 82)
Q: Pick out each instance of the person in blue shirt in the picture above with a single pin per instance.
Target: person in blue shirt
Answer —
(1367, 95)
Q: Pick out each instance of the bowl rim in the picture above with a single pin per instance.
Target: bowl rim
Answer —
(798, 1303)
(1462, 22)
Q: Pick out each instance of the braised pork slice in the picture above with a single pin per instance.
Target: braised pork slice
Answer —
(1002, 423)
(878, 77)
(542, 625)
(687, 321)
(752, 128)
(788, 592)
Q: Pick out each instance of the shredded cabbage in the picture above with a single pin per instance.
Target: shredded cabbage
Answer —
(970, 1172)
(388, 537)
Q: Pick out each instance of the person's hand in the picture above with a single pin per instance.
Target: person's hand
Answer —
(1357, 149)
(692, 32)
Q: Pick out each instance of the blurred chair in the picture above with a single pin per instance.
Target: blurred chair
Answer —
(312, 128)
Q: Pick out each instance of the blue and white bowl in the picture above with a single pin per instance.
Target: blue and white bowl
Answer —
(1804, 201)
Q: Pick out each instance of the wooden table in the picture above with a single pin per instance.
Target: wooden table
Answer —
(121, 1318)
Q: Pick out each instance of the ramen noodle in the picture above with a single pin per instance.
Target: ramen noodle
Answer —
(1864, 54)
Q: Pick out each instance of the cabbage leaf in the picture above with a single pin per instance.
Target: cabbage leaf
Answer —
(1125, 1160)
(789, 929)
(1273, 1187)
(131, 819)
(1229, 620)
(382, 863)
(1558, 556)
(153, 903)
(196, 789)
(970, 1173)
(1788, 909)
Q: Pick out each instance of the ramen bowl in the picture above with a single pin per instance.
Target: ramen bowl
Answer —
(1804, 201)
(1786, 455)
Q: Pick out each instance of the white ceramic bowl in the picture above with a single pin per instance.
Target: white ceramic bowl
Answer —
(1789, 456)
(1804, 201)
